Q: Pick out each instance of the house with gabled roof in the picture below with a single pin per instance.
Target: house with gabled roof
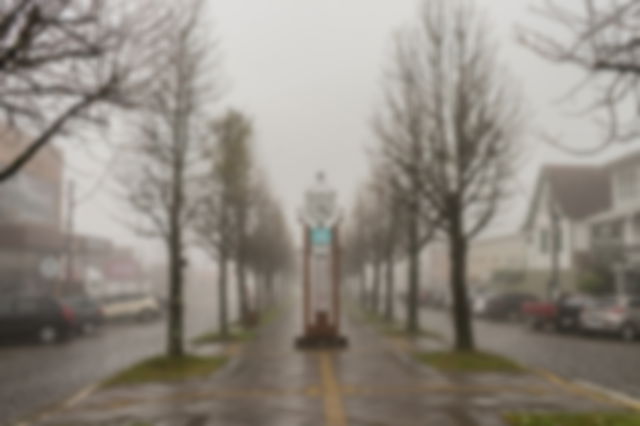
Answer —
(564, 200)
(615, 232)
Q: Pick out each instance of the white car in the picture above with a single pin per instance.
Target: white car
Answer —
(138, 306)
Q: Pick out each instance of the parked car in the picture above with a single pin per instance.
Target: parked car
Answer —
(132, 306)
(478, 300)
(436, 297)
(44, 317)
(506, 305)
(562, 314)
(89, 316)
(616, 315)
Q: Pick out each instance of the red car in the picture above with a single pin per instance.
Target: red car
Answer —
(560, 315)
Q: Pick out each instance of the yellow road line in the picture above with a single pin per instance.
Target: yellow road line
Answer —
(333, 407)
(584, 391)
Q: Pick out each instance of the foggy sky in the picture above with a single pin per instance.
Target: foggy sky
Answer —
(309, 73)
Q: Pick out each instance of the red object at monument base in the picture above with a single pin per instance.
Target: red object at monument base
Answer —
(321, 334)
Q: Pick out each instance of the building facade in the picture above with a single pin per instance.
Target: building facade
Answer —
(32, 245)
(498, 260)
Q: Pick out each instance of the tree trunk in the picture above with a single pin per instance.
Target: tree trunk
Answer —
(270, 290)
(413, 270)
(222, 296)
(243, 303)
(175, 320)
(175, 324)
(375, 297)
(362, 287)
(461, 316)
(554, 239)
(389, 291)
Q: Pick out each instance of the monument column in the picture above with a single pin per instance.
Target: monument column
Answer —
(320, 219)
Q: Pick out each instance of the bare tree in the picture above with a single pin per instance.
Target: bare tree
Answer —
(451, 134)
(366, 245)
(269, 249)
(356, 247)
(213, 224)
(471, 118)
(385, 234)
(234, 131)
(60, 59)
(601, 38)
(168, 162)
(400, 131)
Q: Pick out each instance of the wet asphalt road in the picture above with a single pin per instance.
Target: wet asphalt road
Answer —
(599, 360)
(34, 377)
(372, 382)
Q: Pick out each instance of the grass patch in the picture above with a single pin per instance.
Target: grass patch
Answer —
(236, 334)
(573, 419)
(471, 362)
(270, 315)
(394, 329)
(164, 369)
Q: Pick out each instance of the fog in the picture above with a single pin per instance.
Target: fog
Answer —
(310, 76)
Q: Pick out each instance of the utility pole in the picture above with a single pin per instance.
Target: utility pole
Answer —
(556, 235)
(71, 205)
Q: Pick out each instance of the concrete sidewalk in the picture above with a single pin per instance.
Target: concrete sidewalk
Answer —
(373, 382)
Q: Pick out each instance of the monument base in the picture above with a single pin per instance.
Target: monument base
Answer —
(321, 335)
(321, 342)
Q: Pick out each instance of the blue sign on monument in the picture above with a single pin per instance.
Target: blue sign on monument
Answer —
(321, 236)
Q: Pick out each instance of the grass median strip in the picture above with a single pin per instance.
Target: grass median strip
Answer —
(237, 334)
(573, 419)
(391, 328)
(470, 362)
(165, 369)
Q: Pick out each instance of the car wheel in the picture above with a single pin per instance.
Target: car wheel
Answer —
(48, 334)
(628, 333)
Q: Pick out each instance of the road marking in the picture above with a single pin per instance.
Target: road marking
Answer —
(580, 389)
(613, 395)
(70, 402)
(333, 407)
(80, 395)
(412, 389)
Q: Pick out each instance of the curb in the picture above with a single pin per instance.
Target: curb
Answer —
(614, 395)
(230, 351)
(69, 402)
(590, 390)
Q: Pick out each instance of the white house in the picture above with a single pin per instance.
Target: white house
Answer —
(565, 198)
(615, 233)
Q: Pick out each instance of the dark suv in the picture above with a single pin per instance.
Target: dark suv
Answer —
(88, 314)
(42, 317)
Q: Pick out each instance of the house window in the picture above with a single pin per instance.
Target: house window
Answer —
(559, 241)
(615, 230)
(636, 225)
(544, 241)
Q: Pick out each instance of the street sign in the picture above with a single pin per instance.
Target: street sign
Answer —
(321, 236)
(320, 205)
